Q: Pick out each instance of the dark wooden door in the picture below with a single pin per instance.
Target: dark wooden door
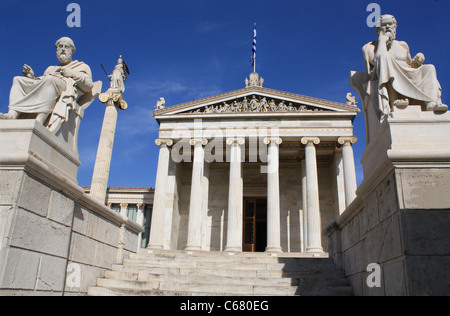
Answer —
(255, 224)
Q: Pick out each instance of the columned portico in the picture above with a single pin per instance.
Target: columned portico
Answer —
(268, 153)
(235, 196)
(273, 195)
(312, 191)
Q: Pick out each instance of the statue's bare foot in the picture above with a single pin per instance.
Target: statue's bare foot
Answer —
(401, 102)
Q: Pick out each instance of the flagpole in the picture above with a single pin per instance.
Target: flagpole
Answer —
(254, 47)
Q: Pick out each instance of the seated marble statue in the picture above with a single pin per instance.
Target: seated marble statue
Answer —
(398, 79)
(50, 98)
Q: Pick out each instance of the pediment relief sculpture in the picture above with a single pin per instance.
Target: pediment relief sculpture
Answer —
(255, 104)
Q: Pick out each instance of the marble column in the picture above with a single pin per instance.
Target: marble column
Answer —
(349, 168)
(273, 195)
(160, 197)
(194, 240)
(340, 187)
(304, 217)
(100, 177)
(235, 197)
(124, 210)
(140, 221)
(312, 187)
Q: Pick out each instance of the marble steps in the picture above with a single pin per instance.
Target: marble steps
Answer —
(234, 273)
(181, 273)
(327, 279)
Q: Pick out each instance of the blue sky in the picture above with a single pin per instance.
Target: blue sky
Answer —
(189, 49)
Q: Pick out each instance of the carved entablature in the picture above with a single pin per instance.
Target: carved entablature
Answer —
(255, 104)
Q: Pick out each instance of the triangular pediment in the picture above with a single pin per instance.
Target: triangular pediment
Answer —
(255, 100)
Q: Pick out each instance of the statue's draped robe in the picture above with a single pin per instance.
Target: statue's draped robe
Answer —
(52, 93)
(393, 68)
(117, 79)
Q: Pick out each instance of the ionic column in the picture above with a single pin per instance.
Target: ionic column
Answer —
(194, 241)
(304, 218)
(102, 166)
(159, 200)
(124, 210)
(140, 221)
(140, 214)
(273, 195)
(314, 239)
(235, 197)
(349, 168)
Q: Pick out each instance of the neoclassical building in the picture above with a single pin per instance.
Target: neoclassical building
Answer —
(253, 169)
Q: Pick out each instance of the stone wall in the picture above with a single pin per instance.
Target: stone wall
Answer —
(410, 245)
(54, 238)
(401, 217)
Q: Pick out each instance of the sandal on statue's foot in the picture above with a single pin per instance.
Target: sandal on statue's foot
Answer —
(403, 102)
(433, 106)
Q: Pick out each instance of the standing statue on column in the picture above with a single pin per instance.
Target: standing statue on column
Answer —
(393, 78)
(119, 76)
(49, 98)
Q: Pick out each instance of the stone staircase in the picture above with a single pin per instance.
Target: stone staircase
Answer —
(185, 273)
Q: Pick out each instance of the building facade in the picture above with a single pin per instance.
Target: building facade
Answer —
(254, 170)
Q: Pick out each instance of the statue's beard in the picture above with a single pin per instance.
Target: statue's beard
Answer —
(392, 35)
(64, 59)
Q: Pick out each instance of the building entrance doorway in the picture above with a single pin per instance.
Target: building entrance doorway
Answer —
(255, 225)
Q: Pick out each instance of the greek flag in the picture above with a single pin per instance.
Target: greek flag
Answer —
(253, 59)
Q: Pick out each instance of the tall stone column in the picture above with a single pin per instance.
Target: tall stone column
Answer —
(349, 168)
(160, 197)
(304, 227)
(100, 178)
(124, 210)
(235, 197)
(312, 187)
(194, 240)
(273, 195)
